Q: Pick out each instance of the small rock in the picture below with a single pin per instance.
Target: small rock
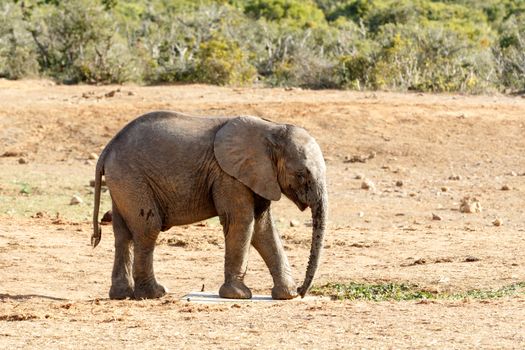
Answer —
(497, 222)
(360, 214)
(512, 173)
(13, 154)
(436, 217)
(443, 280)
(111, 93)
(38, 215)
(368, 185)
(131, 93)
(76, 200)
(420, 261)
(93, 156)
(471, 258)
(470, 205)
(444, 189)
(399, 183)
(358, 176)
(505, 188)
(355, 159)
(22, 161)
(454, 177)
(294, 223)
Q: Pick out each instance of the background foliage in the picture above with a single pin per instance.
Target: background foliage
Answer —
(425, 45)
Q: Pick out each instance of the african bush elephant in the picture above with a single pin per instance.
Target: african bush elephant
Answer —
(165, 169)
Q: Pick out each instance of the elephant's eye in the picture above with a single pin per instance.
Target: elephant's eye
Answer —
(301, 178)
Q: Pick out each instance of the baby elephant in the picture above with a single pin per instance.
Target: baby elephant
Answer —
(165, 169)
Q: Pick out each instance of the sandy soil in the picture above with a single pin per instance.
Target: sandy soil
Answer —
(439, 148)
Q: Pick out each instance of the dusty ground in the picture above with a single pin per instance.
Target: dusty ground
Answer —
(53, 286)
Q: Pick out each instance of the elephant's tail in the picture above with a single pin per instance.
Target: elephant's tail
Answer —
(97, 231)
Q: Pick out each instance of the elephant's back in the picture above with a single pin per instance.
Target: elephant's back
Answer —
(167, 125)
(156, 133)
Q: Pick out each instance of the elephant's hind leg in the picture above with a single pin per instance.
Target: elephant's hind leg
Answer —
(121, 278)
(138, 212)
(145, 232)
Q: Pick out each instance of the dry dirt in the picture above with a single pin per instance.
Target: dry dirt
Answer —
(438, 148)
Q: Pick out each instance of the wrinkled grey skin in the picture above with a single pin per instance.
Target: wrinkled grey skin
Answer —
(165, 169)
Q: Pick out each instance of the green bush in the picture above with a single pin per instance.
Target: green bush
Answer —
(18, 57)
(509, 52)
(222, 62)
(75, 40)
(296, 13)
(354, 71)
(426, 45)
(430, 59)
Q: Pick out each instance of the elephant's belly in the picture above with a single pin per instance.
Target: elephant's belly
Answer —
(188, 214)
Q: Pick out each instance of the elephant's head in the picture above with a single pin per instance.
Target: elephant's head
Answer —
(272, 159)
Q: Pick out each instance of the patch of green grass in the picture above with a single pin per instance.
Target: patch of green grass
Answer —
(510, 290)
(25, 188)
(403, 291)
(372, 292)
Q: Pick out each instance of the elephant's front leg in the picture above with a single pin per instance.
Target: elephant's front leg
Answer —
(268, 243)
(238, 235)
(235, 209)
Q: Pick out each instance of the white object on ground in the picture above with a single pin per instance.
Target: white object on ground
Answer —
(213, 298)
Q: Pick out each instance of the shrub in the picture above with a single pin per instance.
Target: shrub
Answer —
(354, 71)
(296, 58)
(76, 42)
(295, 13)
(18, 57)
(430, 59)
(509, 53)
(169, 45)
(221, 62)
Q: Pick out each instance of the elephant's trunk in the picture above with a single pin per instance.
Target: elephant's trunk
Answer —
(319, 213)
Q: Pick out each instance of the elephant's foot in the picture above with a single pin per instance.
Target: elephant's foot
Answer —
(235, 290)
(119, 292)
(149, 291)
(284, 292)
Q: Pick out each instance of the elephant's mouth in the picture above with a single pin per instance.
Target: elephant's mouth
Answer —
(301, 206)
(295, 199)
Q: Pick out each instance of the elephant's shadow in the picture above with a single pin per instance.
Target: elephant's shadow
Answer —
(23, 297)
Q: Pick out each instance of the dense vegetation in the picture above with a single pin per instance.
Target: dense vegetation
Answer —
(456, 45)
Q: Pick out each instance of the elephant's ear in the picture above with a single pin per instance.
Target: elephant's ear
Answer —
(243, 149)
